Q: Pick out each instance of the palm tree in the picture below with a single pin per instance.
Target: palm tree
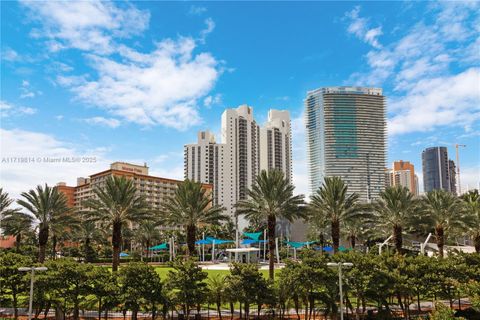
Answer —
(63, 230)
(87, 233)
(394, 211)
(444, 211)
(50, 209)
(332, 202)
(191, 206)
(471, 202)
(217, 287)
(117, 205)
(5, 202)
(271, 198)
(354, 230)
(147, 233)
(17, 224)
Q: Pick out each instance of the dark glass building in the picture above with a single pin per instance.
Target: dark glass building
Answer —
(438, 170)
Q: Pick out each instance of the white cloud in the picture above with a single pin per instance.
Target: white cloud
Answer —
(210, 101)
(10, 110)
(470, 178)
(210, 26)
(160, 87)
(108, 122)
(85, 25)
(8, 54)
(359, 26)
(59, 117)
(453, 100)
(24, 161)
(27, 110)
(418, 66)
(197, 10)
(26, 90)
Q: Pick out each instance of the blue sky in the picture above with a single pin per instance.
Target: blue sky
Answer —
(135, 81)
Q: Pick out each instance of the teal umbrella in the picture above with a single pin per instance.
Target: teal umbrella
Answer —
(162, 246)
(253, 235)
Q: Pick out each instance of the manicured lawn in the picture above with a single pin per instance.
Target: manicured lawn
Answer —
(163, 271)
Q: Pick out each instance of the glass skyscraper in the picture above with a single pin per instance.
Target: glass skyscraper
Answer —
(438, 170)
(346, 137)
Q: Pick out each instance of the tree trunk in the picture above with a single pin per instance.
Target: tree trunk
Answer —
(100, 309)
(15, 305)
(440, 239)
(76, 311)
(54, 247)
(397, 238)
(353, 241)
(322, 242)
(191, 235)
(476, 242)
(271, 245)
(219, 310)
(148, 250)
(42, 243)
(116, 243)
(18, 240)
(335, 235)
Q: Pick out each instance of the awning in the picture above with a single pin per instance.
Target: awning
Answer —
(250, 241)
(211, 240)
(163, 246)
(253, 235)
(297, 245)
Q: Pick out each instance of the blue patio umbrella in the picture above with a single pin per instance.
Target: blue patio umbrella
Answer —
(123, 254)
(203, 241)
(218, 241)
(249, 241)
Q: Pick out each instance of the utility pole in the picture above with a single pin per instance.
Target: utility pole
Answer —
(458, 167)
(32, 281)
(340, 285)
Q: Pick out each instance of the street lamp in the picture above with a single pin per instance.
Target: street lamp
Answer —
(32, 276)
(339, 266)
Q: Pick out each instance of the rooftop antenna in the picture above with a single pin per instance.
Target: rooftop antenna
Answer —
(458, 167)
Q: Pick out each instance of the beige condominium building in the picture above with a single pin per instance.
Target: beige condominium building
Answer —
(155, 189)
(403, 173)
(232, 165)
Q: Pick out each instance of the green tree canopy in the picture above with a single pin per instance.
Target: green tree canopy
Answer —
(331, 202)
(271, 198)
(117, 205)
(191, 206)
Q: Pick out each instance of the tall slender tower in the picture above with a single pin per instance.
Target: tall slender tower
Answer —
(233, 164)
(276, 143)
(403, 173)
(438, 170)
(346, 137)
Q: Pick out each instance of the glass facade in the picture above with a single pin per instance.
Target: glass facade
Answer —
(346, 137)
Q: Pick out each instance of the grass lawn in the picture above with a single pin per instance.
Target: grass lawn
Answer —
(163, 271)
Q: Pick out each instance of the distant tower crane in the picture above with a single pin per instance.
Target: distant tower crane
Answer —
(458, 167)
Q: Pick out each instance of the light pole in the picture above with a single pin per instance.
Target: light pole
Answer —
(339, 265)
(32, 277)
